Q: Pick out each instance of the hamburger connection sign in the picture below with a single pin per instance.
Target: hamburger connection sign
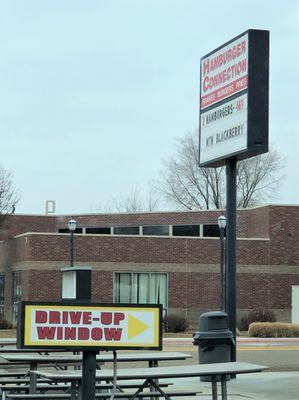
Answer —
(234, 96)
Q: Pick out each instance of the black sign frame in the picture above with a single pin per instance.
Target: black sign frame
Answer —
(21, 326)
(257, 99)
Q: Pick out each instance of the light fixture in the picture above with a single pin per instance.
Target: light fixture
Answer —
(72, 225)
(222, 222)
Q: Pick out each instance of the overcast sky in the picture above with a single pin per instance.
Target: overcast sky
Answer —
(94, 93)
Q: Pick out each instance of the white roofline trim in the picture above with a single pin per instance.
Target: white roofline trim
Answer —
(131, 236)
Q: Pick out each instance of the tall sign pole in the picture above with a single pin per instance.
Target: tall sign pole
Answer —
(231, 190)
(234, 98)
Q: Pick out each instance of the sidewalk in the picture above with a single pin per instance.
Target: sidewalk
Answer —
(240, 340)
(257, 386)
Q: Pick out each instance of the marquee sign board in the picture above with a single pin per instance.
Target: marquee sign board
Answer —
(234, 96)
(89, 326)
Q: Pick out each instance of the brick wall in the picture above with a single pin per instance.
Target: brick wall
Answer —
(41, 285)
(18, 224)
(267, 268)
(257, 221)
(284, 223)
(45, 285)
(250, 222)
(102, 286)
(136, 219)
(55, 247)
(190, 291)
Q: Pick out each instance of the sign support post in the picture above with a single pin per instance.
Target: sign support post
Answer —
(234, 102)
(90, 328)
(231, 194)
(76, 284)
(89, 375)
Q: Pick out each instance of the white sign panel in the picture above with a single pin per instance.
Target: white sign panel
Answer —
(224, 129)
(234, 98)
(224, 72)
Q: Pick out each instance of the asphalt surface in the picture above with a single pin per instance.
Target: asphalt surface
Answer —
(277, 354)
(280, 382)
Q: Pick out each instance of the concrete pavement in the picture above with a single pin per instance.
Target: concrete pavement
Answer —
(240, 340)
(257, 386)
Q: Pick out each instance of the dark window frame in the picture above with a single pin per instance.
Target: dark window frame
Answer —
(178, 230)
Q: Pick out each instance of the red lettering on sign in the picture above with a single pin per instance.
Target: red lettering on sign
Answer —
(96, 333)
(46, 332)
(113, 333)
(59, 333)
(83, 333)
(106, 318)
(75, 317)
(70, 334)
(206, 66)
(86, 318)
(54, 317)
(40, 317)
(65, 318)
(118, 316)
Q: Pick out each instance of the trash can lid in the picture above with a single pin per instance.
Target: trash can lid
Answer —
(213, 321)
(224, 334)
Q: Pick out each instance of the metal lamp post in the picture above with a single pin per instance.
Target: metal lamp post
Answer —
(83, 292)
(222, 226)
(72, 227)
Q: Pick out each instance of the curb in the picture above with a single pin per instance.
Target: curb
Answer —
(240, 340)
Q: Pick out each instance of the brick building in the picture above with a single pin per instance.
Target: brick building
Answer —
(171, 257)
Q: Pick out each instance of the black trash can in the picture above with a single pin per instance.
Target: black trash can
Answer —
(214, 339)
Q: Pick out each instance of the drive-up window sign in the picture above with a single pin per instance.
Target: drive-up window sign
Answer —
(234, 88)
(92, 326)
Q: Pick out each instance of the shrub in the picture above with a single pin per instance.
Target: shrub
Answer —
(175, 323)
(4, 324)
(261, 315)
(276, 329)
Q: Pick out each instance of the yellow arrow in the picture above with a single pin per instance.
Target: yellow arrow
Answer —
(135, 326)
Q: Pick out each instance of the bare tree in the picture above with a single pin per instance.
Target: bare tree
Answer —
(185, 184)
(133, 201)
(9, 196)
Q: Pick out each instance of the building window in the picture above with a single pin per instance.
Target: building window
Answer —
(66, 230)
(185, 230)
(98, 231)
(2, 289)
(141, 288)
(126, 230)
(16, 293)
(211, 231)
(159, 230)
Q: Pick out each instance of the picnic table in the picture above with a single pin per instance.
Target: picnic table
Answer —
(151, 376)
(153, 359)
(11, 350)
(7, 342)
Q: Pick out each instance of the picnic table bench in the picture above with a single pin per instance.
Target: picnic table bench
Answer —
(153, 358)
(11, 350)
(151, 376)
(7, 342)
(44, 386)
(102, 396)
